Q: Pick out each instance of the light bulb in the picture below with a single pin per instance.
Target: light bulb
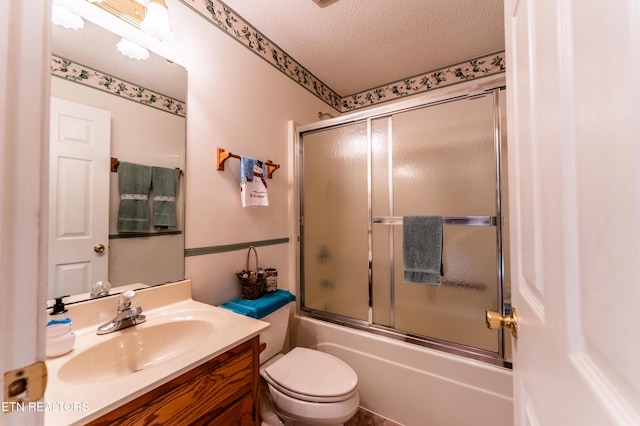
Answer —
(156, 21)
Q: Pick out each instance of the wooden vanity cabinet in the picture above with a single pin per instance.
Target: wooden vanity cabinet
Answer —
(223, 391)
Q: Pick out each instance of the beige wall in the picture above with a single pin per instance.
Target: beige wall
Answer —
(239, 102)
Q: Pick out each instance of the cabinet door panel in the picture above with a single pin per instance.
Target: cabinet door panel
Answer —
(240, 413)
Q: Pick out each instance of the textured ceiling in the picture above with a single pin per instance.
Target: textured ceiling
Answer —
(356, 45)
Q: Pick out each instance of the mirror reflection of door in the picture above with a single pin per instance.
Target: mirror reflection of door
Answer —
(79, 167)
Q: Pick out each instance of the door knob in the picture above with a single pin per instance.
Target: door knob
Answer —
(98, 248)
(495, 321)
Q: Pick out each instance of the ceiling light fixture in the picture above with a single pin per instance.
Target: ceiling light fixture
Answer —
(149, 16)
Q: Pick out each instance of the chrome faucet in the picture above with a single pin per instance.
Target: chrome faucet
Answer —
(126, 316)
(100, 289)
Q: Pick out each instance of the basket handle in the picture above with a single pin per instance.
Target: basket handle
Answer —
(255, 252)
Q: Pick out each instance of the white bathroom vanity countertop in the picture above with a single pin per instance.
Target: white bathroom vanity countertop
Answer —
(92, 384)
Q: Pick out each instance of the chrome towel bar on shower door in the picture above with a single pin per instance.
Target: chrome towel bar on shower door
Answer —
(447, 220)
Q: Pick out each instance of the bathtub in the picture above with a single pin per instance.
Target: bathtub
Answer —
(413, 385)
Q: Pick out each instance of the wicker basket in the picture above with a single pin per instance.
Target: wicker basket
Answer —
(251, 280)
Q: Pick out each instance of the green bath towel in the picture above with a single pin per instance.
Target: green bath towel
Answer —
(134, 183)
(165, 188)
(422, 249)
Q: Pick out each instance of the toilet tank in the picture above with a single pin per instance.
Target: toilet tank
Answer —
(274, 336)
(273, 308)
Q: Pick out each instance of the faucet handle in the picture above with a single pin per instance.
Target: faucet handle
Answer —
(127, 300)
(100, 289)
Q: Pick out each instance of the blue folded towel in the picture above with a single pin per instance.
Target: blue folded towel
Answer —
(165, 187)
(422, 249)
(262, 306)
(134, 184)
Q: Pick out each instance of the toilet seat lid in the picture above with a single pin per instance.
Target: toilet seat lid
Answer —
(313, 373)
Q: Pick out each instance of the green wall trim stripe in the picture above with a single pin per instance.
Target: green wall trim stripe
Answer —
(143, 234)
(199, 251)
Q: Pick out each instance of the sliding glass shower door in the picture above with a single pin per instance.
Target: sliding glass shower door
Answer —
(334, 242)
(361, 179)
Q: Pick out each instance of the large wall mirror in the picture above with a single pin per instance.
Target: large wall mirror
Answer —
(143, 105)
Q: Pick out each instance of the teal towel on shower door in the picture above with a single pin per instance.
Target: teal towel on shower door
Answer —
(422, 249)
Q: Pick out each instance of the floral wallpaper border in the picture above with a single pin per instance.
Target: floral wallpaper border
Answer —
(470, 70)
(82, 74)
(227, 20)
(223, 17)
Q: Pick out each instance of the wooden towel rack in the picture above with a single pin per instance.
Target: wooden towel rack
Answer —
(115, 163)
(223, 155)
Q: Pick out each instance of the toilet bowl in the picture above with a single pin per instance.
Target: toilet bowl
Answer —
(312, 387)
(308, 387)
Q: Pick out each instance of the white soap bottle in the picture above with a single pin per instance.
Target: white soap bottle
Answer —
(60, 335)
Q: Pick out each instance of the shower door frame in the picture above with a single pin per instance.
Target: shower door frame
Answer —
(468, 90)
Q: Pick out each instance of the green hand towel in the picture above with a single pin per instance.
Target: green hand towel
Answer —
(165, 188)
(134, 183)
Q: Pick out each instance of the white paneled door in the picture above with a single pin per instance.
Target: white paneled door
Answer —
(79, 197)
(574, 180)
(24, 99)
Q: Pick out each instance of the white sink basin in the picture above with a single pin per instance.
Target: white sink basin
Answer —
(103, 371)
(133, 349)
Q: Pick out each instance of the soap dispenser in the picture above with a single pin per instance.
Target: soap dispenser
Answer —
(60, 335)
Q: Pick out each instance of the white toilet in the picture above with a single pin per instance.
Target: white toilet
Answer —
(308, 387)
